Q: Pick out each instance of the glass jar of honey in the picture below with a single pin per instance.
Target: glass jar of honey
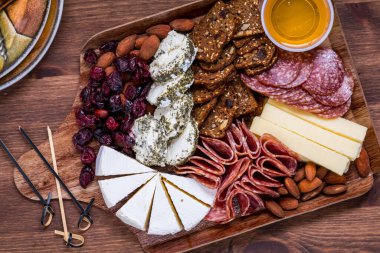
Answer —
(297, 25)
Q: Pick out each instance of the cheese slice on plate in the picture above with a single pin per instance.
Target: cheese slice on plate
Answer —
(328, 139)
(192, 187)
(137, 209)
(340, 126)
(110, 162)
(116, 189)
(189, 210)
(163, 218)
(306, 148)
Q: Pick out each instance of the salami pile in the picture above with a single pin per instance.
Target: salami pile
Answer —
(245, 170)
(315, 82)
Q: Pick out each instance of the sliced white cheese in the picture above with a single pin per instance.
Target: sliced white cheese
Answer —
(109, 162)
(115, 189)
(182, 147)
(189, 210)
(163, 219)
(339, 126)
(136, 211)
(306, 148)
(312, 132)
(192, 187)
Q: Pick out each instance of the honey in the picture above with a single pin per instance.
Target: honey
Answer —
(297, 23)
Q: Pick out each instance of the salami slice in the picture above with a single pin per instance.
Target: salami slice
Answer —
(335, 112)
(235, 139)
(207, 179)
(205, 164)
(255, 85)
(272, 167)
(251, 143)
(340, 96)
(250, 185)
(327, 74)
(313, 107)
(218, 151)
(284, 71)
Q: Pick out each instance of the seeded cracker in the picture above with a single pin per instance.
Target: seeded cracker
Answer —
(248, 12)
(202, 95)
(226, 58)
(260, 68)
(211, 80)
(241, 42)
(200, 112)
(260, 56)
(243, 98)
(254, 43)
(213, 32)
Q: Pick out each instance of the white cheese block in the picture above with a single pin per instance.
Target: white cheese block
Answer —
(163, 219)
(136, 211)
(339, 126)
(312, 132)
(109, 162)
(115, 189)
(192, 187)
(189, 210)
(306, 148)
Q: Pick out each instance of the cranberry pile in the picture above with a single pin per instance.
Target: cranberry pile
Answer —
(110, 104)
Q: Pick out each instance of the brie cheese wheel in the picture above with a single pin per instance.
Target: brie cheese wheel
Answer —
(163, 219)
(182, 147)
(189, 210)
(109, 162)
(192, 187)
(116, 189)
(137, 209)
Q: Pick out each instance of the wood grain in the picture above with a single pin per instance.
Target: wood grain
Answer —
(46, 96)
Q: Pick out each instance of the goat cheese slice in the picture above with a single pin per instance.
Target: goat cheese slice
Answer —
(189, 210)
(192, 187)
(109, 162)
(137, 209)
(163, 219)
(116, 189)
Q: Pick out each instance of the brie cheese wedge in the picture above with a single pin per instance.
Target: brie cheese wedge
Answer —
(163, 219)
(110, 162)
(192, 187)
(137, 209)
(189, 210)
(116, 189)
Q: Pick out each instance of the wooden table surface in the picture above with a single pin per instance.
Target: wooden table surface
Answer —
(46, 95)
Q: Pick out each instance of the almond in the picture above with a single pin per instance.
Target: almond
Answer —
(314, 193)
(182, 25)
(106, 59)
(300, 174)
(362, 164)
(140, 40)
(274, 208)
(292, 187)
(126, 45)
(282, 191)
(321, 172)
(135, 52)
(335, 189)
(333, 178)
(307, 186)
(310, 171)
(109, 70)
(149, 48)
(161, 31)
(288, 203)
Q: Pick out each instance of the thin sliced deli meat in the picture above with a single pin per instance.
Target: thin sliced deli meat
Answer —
(250, 185)
(341, 96)
(254, 84)
(335, 112)
(284, 71)
(327, 74)
(251, 143)
(236, 140)
(207, 165)
(306, 68)
(205, 178)
(218, 150)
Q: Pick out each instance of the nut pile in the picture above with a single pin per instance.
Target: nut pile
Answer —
(309, 182)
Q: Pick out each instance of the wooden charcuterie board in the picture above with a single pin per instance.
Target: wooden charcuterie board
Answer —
(69, 163)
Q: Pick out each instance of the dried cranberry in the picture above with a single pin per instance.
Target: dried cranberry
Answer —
(122, 64)
(130, 92)
(128, 105)
(144, 90)
(90, 170)
(105, 139)
(123, 140)
(90, 56)
(139, 108)
(88, 155)
(81, 138)
(128, 151)
(97, 73)
(115, 104)
(127, 124)
(89, 121)
(85, 94)
(101, 113)
(79, 113)
(109, 46)
(112, 124)
(88, 107)
(106, 91)
(93, 83)
(114, 82)
(87, 175)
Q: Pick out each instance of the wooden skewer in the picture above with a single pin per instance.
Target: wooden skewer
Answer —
(66, 235)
